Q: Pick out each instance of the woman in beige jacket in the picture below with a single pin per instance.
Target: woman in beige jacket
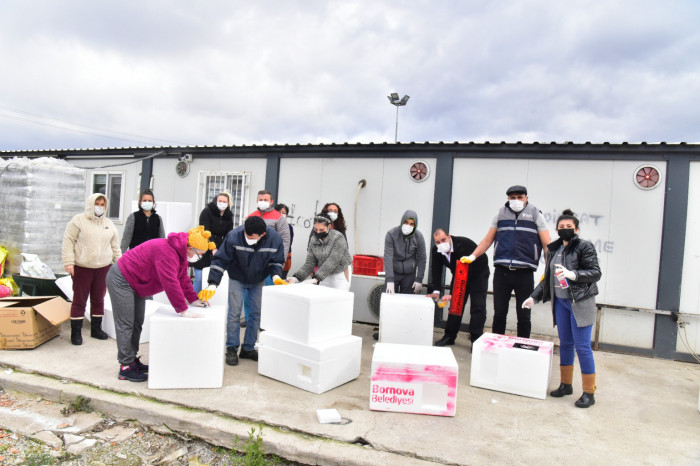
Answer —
(90, 247)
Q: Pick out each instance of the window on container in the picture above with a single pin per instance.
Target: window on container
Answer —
(236, 183)
(112, 186)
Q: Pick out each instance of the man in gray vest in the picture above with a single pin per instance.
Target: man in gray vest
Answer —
(520, 233)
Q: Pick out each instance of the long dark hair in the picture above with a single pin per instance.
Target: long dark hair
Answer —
(339, 223)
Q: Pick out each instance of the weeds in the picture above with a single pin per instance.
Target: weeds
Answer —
(80, 404)
(253, 450)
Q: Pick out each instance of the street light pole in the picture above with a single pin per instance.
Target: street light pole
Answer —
(394, 100)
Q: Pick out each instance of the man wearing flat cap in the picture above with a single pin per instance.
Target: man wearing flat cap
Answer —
(520, 233)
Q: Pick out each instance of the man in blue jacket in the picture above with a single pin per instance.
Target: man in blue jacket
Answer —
(249, 254)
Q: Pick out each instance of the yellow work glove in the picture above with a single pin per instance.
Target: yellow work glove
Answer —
(467, 259)
(277, 280)
(207, 293)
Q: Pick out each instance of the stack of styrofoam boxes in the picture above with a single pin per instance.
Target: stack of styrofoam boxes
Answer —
(308, 341)
(406, 319)
(413, 379)
(187, 352)
(65, 284)
(521, 366)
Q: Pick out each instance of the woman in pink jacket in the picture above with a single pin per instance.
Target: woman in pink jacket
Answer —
(154, 266)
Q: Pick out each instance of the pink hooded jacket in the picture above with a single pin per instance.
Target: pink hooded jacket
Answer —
(160, 265)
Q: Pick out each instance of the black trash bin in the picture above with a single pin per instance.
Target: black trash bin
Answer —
(38, 286)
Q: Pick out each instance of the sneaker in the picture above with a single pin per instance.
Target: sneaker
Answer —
(252, 354)
(131, 373)
(232, 356)
(141, 367)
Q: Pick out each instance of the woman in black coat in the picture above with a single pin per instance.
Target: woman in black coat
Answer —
(217, 218)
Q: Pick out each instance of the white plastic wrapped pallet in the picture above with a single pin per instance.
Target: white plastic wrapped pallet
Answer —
(38, 197)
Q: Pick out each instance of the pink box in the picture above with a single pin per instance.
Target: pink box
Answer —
(521, 366)
(413, 379)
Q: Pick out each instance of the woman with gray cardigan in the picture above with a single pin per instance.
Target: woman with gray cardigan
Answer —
(328, 252)
(570, 277)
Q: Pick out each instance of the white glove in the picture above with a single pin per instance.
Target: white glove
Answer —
(467, 259)
(417, 286)
(390, 288)
(562, 272)
(529, 302)
(314, 281)
(292, 280)
(190, 314)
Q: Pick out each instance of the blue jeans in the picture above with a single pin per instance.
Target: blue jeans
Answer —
(197, 285)
(236, 292)
(246, 299)
(572, 336)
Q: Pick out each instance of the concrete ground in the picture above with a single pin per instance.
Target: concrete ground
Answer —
(646, 411)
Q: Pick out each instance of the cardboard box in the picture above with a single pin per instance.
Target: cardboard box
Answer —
(306, 313)
(28, 321)
(521, 366)
(406, 319)
(413, 379)
(187, 352)
(316, 368)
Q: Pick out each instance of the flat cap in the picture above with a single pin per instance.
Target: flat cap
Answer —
(517, 189)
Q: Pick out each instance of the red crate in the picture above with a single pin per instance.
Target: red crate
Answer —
(367, 265)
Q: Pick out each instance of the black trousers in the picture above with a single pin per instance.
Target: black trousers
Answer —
(477, 287)
(403, 283)
(506, 281)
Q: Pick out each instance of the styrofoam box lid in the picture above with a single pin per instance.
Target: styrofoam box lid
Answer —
(388, 353)
(323, 350)
(406, 300)
(494, 341)
(168, 314)
(305, 293)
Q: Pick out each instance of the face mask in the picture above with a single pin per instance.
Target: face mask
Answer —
(99, 211)
(444, 247)
(406, 229)
(321, 235)
(333, 216)
(263, 205)
(195, 258)
(147, 205)
(566, 234)
(251, 242)
(516, 205)
(222, 205)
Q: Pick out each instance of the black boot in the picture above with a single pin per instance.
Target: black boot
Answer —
(96, 329)
(445, 341)
(76, 328)
(564, 389)
(586, 400)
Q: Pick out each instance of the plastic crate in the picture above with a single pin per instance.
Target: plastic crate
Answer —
(367, 265)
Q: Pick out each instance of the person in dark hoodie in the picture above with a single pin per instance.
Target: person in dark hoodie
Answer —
(216, 218)
(404, 256)
(446, 252)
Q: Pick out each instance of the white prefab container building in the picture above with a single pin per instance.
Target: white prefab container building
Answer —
(638, 203)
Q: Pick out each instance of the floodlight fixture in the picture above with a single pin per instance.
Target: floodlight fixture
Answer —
(394, 100)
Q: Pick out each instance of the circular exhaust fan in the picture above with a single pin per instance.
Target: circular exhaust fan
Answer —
(374, 298)
(419, 171)
(647, 177)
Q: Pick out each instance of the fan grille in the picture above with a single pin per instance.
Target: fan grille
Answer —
(419, 171)
(374, 298)
(647, 177)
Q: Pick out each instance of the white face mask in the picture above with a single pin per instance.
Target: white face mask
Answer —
(195, 258)
(147, 205)
(99, 211)
(516, 205)
(406, 229)
(263, 205)
(333, 216)
(251, 242)
(444, 247)
(222, 205)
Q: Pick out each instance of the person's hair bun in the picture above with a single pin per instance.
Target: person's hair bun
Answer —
(568, 212)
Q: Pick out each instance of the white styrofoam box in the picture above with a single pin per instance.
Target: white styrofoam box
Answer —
(187, 352)
(328, 416)
(510, 364)
(406, 319)
(316, 368)
(413, 379)
(306, 313)
(65, 284)
(177, 216)
(221, 295)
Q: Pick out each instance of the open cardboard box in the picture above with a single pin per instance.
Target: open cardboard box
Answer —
(28, 321)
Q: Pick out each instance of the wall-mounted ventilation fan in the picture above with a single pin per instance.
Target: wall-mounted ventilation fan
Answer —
(647, 177)
(419, 171)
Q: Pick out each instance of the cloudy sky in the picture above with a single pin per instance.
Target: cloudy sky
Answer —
(85, 74)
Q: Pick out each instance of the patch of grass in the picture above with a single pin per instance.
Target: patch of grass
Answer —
(36, 457)
(80, 404)
(253, 450)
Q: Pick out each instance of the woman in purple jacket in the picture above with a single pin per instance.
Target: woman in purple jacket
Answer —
(154, 266)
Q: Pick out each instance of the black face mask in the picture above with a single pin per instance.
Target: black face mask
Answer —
(321, 235)
(566, 234)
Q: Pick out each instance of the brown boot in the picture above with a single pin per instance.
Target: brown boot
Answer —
(567, 377)
(587, 399)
